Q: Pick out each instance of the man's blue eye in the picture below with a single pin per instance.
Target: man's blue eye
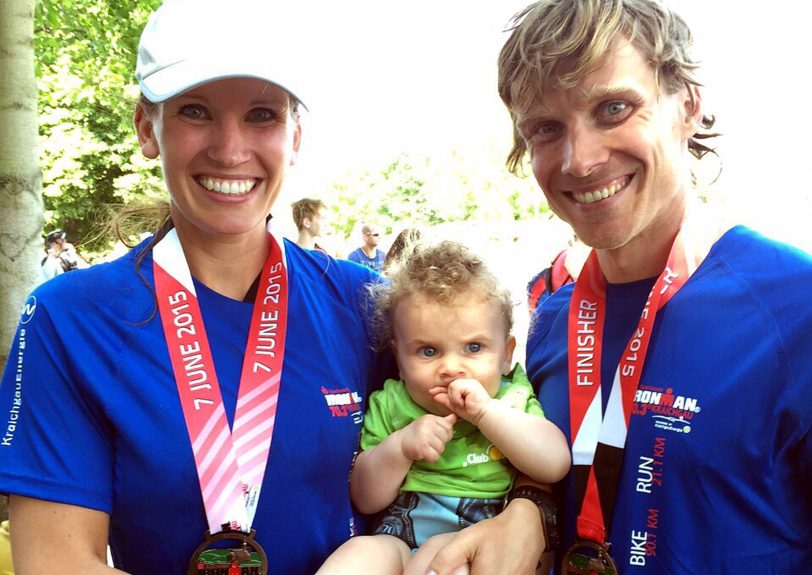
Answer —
(547, 129)
(616, 108)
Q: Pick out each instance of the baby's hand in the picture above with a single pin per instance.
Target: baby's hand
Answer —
(465, 397)
(424, 439)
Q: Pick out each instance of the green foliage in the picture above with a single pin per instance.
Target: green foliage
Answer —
(88, 150)
(425, 191)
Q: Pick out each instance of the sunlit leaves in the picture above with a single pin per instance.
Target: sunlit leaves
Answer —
(85, 60)
(425, 191)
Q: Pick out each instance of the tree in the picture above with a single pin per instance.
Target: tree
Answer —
(426, 191)
(20, 181)
(90, 158)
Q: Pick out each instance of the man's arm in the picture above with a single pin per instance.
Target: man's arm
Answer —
(512, 542)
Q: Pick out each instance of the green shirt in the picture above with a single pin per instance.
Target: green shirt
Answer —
(470, 466)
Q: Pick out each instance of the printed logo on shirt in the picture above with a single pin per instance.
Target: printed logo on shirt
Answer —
(651, 470)
(492, 453)
(13, 416)
(343, 403)
(669, 411)
(29, 307)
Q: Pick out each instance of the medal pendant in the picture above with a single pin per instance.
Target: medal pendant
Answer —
(588, 558)
(245, 557)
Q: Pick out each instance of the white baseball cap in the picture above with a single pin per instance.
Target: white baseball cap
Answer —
(187, 43)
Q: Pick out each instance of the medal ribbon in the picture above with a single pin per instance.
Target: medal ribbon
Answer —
(598, 443)
(230, 463)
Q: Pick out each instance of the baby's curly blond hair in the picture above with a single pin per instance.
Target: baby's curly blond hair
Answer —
(444, 272)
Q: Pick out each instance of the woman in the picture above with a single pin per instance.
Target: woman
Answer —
(132, 412)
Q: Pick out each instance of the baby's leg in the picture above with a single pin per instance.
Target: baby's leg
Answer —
(379, 554)
(419, 563)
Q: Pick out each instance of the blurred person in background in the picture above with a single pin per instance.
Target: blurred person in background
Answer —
(369, 254)
(309, 215)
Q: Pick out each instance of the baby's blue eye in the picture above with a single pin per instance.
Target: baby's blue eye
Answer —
(427, 351)
(473, 347)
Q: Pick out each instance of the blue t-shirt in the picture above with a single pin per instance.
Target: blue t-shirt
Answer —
(358, 256)
(718, 463)
(92, 416)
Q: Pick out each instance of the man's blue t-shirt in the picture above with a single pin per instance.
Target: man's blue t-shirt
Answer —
(718, 462)
(91, 415)
(376, 263)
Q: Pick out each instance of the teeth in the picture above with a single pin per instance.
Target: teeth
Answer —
(230, 187)
(601, 194)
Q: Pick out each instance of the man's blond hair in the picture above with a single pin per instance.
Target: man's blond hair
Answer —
(581, 32)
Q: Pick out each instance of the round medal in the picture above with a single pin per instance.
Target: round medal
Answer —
(246, 557)
(588, 558)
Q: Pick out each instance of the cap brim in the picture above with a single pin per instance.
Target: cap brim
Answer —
(185, 75)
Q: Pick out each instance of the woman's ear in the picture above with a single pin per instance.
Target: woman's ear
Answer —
(145, 130)
(297, 140)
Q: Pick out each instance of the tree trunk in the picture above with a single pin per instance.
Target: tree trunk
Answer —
(20, 178)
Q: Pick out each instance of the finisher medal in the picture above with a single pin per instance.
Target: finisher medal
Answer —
(244, 558)
(588, 558)
(599, 431)
(230, 461)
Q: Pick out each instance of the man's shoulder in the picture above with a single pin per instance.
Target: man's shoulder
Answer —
(747, 274)
(754, 255)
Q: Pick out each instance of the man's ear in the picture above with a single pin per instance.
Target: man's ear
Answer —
(146, 133)
(692, 105)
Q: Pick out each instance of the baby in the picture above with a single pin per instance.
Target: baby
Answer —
(441, 446)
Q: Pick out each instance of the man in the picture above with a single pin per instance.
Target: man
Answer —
(687, 403)
(369, 254)
(60, 256)
(309, 215)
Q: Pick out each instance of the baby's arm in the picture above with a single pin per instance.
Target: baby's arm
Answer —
(533, 444)
(379, 471)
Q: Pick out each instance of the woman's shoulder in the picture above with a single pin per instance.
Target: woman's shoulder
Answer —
(317, 266)
(105, 271)
(118, 284)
